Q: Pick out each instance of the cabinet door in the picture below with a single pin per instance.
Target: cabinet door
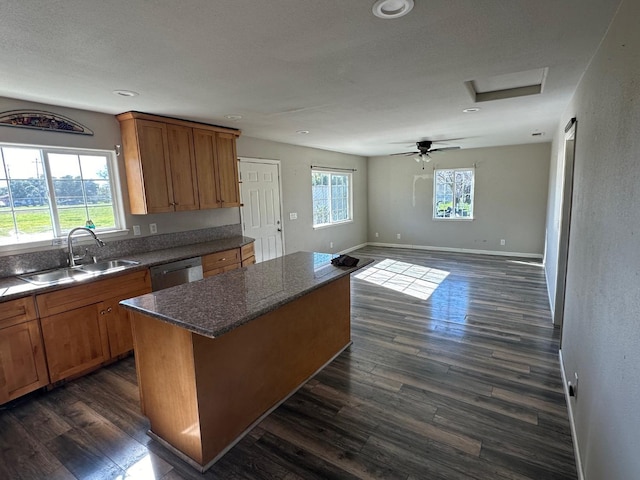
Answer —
(227, 169)
(118, 324)
(183, 167)
(155, 165)
(22, 364)
(204, 142)
(76, 341)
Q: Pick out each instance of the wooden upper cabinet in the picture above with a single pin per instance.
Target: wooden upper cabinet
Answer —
(228, 170)
(175, 165)
(146, 154)
(183, 168)
(206, 167)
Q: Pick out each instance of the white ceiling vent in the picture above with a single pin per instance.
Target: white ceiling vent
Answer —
(510, 85)
(392, 8)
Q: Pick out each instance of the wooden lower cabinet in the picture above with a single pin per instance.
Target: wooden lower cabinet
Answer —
(76, 341)
(220, 262)
(118, 324)
(22, 362)
(248, 254)
(84, 327)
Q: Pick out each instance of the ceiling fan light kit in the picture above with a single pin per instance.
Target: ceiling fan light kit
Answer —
(388, 9)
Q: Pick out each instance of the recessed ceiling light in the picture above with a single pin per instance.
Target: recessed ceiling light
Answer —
(303, 132)
(471, 110)
(234, 117)
(392, 8)
(125, 93)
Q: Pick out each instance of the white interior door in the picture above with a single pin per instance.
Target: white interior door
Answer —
(261, 210)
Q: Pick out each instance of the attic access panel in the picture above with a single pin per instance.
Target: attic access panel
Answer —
(510, 85)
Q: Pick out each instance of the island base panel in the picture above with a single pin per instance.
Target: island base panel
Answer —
(223, 386)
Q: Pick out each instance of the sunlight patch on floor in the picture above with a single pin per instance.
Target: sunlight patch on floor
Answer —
(414, 280)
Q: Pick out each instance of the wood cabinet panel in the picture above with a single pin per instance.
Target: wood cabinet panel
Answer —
(220, 259)
(247, 251)
(17, 311)
(22, 363)
(249, 261)
(206, 167)
(183, 167)
(218, 271)
(146, 150)
(90, 293)
(76, 341)
(228, 170)
(118, 324)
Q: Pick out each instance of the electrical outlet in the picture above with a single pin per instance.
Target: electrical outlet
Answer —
(398, 236)
(330, 244)
(377, 235)
(136, 229)
(153, 228)
(293, 216)
(503, 241)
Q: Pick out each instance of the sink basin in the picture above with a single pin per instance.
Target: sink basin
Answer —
(52, 277)
(75, 274)
(107, 266)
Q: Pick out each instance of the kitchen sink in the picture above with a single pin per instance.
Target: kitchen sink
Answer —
(75, 274)
(52, 277)
(107, 266)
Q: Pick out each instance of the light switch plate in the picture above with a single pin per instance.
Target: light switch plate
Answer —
(293, 216)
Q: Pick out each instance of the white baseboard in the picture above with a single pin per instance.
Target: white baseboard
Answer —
(574, 436)
(456, 250)
(351, 249)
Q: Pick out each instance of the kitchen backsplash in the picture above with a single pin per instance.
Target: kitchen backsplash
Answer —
(34, 261)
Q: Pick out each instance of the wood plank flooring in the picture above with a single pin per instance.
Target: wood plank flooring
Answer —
(453, 374)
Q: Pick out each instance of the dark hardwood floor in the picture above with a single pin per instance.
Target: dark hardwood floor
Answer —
(453, 374)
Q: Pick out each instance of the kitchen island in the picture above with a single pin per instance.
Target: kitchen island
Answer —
(216, 356)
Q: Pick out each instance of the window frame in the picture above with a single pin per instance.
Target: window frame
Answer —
(58, 234)
(331, 172)
(472, 194)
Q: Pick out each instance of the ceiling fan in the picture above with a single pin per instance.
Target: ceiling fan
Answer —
(424, 149)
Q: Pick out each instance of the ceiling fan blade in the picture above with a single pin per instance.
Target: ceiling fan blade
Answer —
(406, 154)
(443, 149)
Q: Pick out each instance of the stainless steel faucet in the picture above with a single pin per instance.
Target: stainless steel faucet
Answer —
(73, 258)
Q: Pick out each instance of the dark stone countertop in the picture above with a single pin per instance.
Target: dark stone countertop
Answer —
(218, 304)
(14, 287)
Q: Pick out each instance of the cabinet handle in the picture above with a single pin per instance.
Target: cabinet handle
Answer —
(102, 312)
(221, 259)
(109, 310)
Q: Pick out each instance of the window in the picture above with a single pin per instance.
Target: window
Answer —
(331, 197)
(453, 193)
(45, 192)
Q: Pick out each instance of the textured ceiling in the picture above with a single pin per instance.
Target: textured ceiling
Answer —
(359, 84)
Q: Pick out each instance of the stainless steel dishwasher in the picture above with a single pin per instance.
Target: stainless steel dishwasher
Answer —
(176, 273)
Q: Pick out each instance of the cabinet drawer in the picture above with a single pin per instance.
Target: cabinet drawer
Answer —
(218, 271)
(220, 259)
(17, 311)
(93, 292)
(247, 251)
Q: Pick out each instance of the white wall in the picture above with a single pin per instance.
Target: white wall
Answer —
(296, 194)
(601, 331)
(510, 200)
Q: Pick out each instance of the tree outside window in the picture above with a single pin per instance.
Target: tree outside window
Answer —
(45, 192)
(453, 193)
(331, 197)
